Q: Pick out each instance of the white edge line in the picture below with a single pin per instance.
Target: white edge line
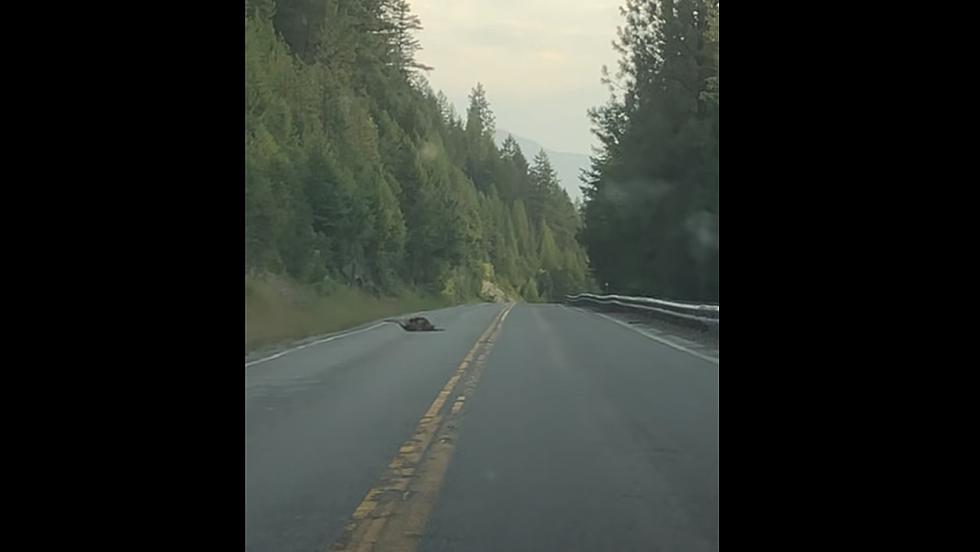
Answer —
(659, 339)
(689, 306)
(312, 343)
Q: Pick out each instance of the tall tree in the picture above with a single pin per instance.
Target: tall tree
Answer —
(400, 26)
(479, 139)
(357, 172)
(479, 117)
(651, 195)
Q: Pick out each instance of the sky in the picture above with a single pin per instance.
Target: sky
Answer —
(539, 60)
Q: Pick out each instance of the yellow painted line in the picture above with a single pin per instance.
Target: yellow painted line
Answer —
(393, 514)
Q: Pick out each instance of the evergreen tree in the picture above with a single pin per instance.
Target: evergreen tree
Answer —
(356, 171)
(651, 195)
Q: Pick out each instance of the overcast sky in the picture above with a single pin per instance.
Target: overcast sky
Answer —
(539, 61)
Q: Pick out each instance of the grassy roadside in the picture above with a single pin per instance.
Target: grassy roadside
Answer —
(277, 310)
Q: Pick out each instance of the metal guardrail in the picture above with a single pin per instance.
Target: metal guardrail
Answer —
(705, 314)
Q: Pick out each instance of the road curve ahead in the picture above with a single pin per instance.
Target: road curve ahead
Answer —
(519, 428)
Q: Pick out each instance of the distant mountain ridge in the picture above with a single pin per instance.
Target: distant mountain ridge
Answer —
(568, 166)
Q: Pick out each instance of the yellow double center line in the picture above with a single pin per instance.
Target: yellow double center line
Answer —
(394, 512)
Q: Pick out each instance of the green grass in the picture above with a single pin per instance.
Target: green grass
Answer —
(278, 311)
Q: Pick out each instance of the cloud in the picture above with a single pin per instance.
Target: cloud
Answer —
(527, 53)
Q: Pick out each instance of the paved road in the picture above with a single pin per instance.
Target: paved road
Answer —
(572, 433)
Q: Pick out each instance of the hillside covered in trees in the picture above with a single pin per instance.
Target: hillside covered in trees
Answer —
(359, 174)
(651, 196)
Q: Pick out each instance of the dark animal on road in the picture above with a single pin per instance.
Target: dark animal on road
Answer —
(417, 324)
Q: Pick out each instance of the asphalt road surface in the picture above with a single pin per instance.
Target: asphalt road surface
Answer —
(518, 428)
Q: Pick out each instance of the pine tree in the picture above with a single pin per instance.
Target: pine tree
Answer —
(356, 171)
(651, 195)
(400, 24)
